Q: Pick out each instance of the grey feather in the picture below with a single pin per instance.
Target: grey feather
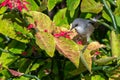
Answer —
(83, 27)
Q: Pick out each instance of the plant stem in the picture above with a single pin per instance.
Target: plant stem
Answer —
(31, 76)
(112, 16)
(105, 24)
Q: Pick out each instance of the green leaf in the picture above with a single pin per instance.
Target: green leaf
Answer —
(114, 75)
(46, 42)
(118, 20)
(104, 61)
(32, 5)
(69, 49)
(43, 5)
(7, 59)
(5, 74)
(21, 78)
(91, 6)
(25, 65)
(16, 47)
(117, 10)
(37, 64)
(115, 44)
(45, 70)
(52, 3)
(86, 59)
(72, 5)
(97, 77)
(60, 18)
(106, 16)
(42, 21)
(22, 30)
(2, 10)
(7, 29)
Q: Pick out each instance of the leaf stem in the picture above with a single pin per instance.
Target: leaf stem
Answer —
(112, 16)
(31, 76)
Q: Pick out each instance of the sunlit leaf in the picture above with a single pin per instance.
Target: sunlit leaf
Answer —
(104, 61)
(86, 59)
(32, 5)
(2, 10)
(41, 20)
(106, 16)
(46, 42)
(72, 5)
(22, 78)
(60, 18)
(117, 19)
(95, 45)
(117, 10)
(97, 77)
(115, 44)
(52, 3)
(16, 47)
(7, 59)
(91, 6)
(7, 29)
(37, 65)
(69, 49)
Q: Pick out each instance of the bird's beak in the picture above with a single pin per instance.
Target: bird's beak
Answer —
(71, 27)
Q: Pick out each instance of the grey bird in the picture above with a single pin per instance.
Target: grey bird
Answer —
(84, 27)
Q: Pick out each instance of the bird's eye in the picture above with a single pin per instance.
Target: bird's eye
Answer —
(76, 25)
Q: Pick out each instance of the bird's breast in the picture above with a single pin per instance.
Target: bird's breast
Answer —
(80, 30)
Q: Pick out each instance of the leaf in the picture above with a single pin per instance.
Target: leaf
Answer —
(115, 74)
(97, 77)
(115, 44)
(7, 29)
(60, 19)
(24, 65)
(52, 3)
(22, 78)
(91, 6)
(32, 5)
(69, 49)
(42, 21)
(37, 65)
(95, 45)
(104, 61)
(43, 5)
(16, 47)
(72, 5)
(117, 19)
(4, 74)
(106, 16)
(2, 10)
(46, 42)
(86, 59)
(117, 10)
(15, 73)
(7, 59)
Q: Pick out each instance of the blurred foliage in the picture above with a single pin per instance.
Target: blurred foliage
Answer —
(37, 44)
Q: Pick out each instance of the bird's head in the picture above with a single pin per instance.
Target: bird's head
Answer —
(74, 24)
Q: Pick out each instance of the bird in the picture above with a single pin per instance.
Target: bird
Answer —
(84, 27)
